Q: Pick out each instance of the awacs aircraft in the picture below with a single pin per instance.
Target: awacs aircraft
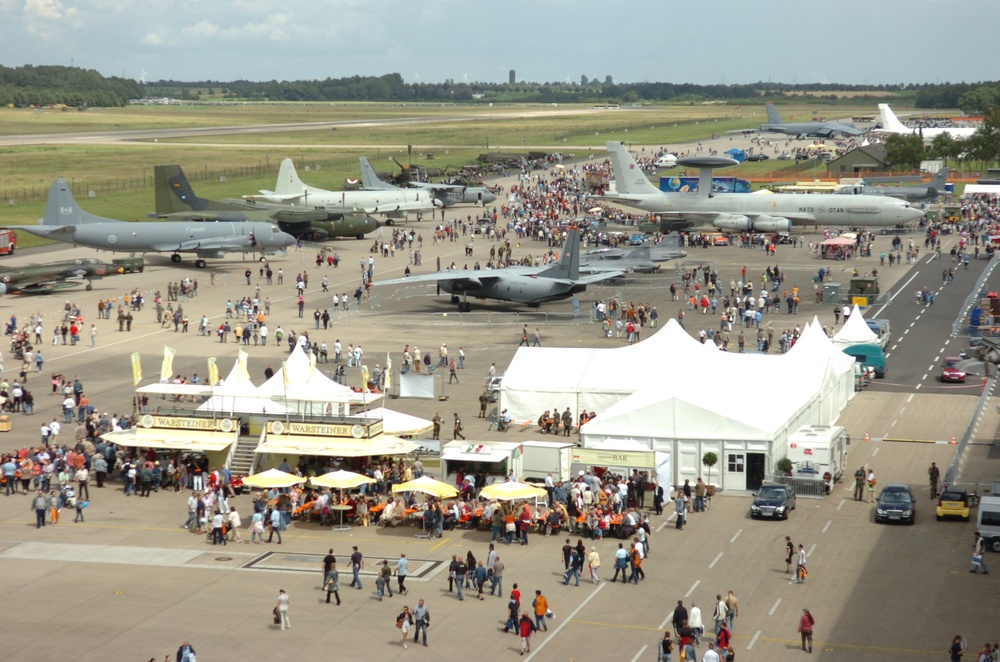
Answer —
(933, 189)
(46, 278)
(447, 195)
(176, 200)
(891, 124)
(64, 221)
(738, 211)
(818, 129)
(395, 203)
(529, 285)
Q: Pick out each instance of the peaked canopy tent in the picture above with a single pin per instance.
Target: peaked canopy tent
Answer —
(309, 391)
(855, 331)
(541, 378)
(396, 422)
(810, 384)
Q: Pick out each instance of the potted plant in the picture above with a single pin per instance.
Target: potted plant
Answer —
(784, 466)
(710, 459)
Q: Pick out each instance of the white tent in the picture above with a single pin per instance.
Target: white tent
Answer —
(309, 391)
(855, 331)
(396, 422)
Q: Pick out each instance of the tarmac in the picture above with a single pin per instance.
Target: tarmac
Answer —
(129, 583)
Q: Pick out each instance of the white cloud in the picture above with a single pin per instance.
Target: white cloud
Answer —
(45, 9)
(201, 29)
(152, 39)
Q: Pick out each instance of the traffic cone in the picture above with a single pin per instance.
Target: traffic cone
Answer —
(953, 442)
(867, 438)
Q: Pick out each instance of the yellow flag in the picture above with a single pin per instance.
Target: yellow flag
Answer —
(241, 362)
(388, 371)
(213, 372)
(136, 369)
(167, 369)
(284, 374)
(364, 376)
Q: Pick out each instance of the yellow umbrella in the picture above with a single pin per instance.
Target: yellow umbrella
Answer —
(341, 479)
(427, 485)
(511, 491)
(273, 478)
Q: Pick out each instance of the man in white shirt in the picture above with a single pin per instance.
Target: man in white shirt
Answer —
(710, 655)
(549, 486)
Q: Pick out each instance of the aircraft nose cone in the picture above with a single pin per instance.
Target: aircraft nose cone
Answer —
(285, 239)
(489, 197)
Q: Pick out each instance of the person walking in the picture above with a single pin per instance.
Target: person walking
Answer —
(452, 375)
(789, 553)
(458, 428)
(282, 608)
(934, 474)
(357, 565)
(541, 606)
(332, 583)
(421, 619)
(957, 648)
(680, 506)
(665, 649)
(594, 560)
(401, 570)
(404, 621)
(977, 555)
(732, 610)
(719, 615)
(806, 630)
(39, 504)
(572, 567)
(870, 484)
(383, 580)
(621, 564)
(800, 567)
(525, 628)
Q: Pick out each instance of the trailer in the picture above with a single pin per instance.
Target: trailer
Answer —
(818, 453)
(541, 458)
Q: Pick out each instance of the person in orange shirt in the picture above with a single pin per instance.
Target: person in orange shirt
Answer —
(541, 606)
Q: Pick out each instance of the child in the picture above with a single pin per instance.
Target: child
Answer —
(54, 503)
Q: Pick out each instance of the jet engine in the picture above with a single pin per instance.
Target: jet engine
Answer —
(772, 224)
(737, 222)
(3, 289)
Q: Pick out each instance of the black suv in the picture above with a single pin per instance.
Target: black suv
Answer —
(773, 501)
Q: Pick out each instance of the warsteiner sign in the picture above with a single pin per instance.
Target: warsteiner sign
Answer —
(361, 430)
(188, 423)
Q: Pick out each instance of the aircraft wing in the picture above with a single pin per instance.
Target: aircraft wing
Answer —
(473, 277)
(708, 218)
(396, 207)
(227, 244)
(271, 196)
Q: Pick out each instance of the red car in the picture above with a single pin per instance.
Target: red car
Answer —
(950, 372)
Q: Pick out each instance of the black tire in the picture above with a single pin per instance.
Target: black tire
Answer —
(995, 544)
(175, 258)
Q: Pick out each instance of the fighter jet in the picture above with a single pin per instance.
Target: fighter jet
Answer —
(933, 189)
(447, 195)
(46, 278)
(529, 285)
(176, 200)
(638, 260)
(64, 221)
(800, 129)
(739, 211)
(395, 203)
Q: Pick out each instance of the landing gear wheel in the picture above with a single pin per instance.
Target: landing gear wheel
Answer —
(465, 307)
(89, 287)
(454, 298)
(360, 236)
(262, 260)
(199, 263)
(175, 258)
(389, 221)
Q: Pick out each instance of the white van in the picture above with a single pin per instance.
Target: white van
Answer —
(988, 521)
(666, 161)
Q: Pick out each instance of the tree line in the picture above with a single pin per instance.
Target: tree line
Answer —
(49, 85)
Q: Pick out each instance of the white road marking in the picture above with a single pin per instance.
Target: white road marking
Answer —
(753, 640)
(910, 399)
(736, 535)
(841, 504)
(892, 426)
(811, 550)
(918, 387)
(893, 347)
(567, 620)
(931, 366)
(827, 526)
(666, 521)
(639, 654)
(902, 409)
(875, 452)
(716, 560)
(690, 591)
(914, 322)
(925, 376)
(775, 607)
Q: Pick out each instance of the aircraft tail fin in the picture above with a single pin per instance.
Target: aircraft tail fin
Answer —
(772, 114)
(288, 180)
(369, 179)
(644, 252)
(629, 178)
(61, 208)
(568, 266)
(173, 191)
(890, 122)
(939, 181)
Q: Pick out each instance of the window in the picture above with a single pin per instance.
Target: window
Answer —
(736, 462)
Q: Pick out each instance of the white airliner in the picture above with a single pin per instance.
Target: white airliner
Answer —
(891, 124)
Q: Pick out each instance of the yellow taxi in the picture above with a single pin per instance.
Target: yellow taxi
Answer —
(954, 502)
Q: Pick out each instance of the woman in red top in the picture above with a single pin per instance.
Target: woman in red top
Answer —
(806, 629)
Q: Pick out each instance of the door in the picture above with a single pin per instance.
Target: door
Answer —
(735, 478)
(755, 470)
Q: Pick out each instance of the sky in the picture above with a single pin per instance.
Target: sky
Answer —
(699, 41)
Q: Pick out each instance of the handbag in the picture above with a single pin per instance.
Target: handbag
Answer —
(977, 559)
(84, 504)
(399, 623)
(549, 614)
(277, 618)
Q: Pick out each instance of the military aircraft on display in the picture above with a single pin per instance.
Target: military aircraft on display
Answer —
(395, 203)
(176, 200)
(818, 129)
(891, 124)
(933, 189)
(638, 260)
(739, 211)
(447, 195)
(529, 285)
(64, 221)
(46, 278)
